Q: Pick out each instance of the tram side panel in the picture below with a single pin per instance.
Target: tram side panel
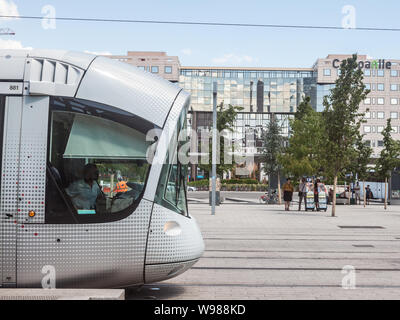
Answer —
(9, 189)
(76, 255)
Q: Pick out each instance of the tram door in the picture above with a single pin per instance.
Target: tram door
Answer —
(23, 171)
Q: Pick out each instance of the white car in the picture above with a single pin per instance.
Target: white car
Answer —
(189, 188)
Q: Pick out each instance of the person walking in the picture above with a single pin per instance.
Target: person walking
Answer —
(302, 192)
(316, 193)
(357, 192)
(287, 193)
(368, 193)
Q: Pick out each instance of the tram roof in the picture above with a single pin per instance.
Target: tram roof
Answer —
(90, 77)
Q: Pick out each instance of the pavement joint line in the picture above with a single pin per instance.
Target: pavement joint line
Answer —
(298, 258)
(298, 239)
(294, 268)
(300, 251)
(269, 285)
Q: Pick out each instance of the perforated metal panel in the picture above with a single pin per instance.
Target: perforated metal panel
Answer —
(126, 87)
(182, 101)
(85, 255)
(154, 273)
(163, 247)
(9, 187)
(32, 166)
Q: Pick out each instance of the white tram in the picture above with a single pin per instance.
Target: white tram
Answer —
(78, 196)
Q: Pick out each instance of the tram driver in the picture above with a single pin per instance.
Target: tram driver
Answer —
(84, 192)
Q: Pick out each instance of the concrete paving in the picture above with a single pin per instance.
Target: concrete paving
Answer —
(62, 294)
(263, 252)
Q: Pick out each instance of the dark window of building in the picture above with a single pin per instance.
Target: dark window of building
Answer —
(260, 96)
(97, 166)
(327, 72)
(380, 143)
(168, 69)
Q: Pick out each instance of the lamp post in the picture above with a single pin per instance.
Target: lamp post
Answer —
(214, 150)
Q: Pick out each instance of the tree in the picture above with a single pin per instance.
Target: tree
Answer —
(389, 157)
(273, 143)
(361, 154)
(342, 120)
(301, 157)
(225, 121)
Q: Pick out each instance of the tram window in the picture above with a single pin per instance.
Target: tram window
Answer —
(97, 165)
(171, 190)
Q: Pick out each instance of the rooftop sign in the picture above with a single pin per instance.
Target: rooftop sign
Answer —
(374, 64)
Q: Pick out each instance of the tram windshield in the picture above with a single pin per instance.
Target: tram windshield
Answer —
(97, 166)
(171, 190)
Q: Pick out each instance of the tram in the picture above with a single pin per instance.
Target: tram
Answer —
(80, 202)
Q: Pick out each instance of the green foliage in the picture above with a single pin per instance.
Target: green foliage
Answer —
(389, 156)
(341, 117)
(241, 181)
(302, 156)
(272, 146)
(225, 121)
(199, 183)
(232, 185)
(360, 155)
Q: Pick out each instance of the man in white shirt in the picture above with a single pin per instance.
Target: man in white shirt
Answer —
(357, 193)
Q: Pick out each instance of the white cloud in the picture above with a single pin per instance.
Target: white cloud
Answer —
(233, 59)
(12, 44)
(8, 8)
(187, 51)
(99, 53)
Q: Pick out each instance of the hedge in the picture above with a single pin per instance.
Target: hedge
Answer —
(254, 185)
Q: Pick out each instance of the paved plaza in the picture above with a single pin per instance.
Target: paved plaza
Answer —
(256, 251)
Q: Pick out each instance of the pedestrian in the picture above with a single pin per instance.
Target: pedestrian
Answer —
(287, 193)
(316, 192)
(368, 193)
(357, 190)
(330, 196)
(302, 192)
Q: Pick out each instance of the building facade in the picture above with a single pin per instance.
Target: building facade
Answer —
(158, 63)
(382, 77)
(262, 92)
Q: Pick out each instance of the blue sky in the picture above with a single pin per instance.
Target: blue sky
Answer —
(205, 45)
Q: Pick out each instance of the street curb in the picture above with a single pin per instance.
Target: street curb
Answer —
(62, 294)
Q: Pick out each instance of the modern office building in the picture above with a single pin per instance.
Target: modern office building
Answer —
(266, 91)
(261, 92)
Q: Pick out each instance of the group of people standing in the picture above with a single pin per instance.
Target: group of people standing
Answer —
(317, 187)
(304, 187)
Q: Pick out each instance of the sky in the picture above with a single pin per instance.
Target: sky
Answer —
(210, 45)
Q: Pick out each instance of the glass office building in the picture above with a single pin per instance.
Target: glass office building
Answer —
(256, 90)
(260, 92)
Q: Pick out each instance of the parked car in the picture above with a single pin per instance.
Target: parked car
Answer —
(190, 188)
